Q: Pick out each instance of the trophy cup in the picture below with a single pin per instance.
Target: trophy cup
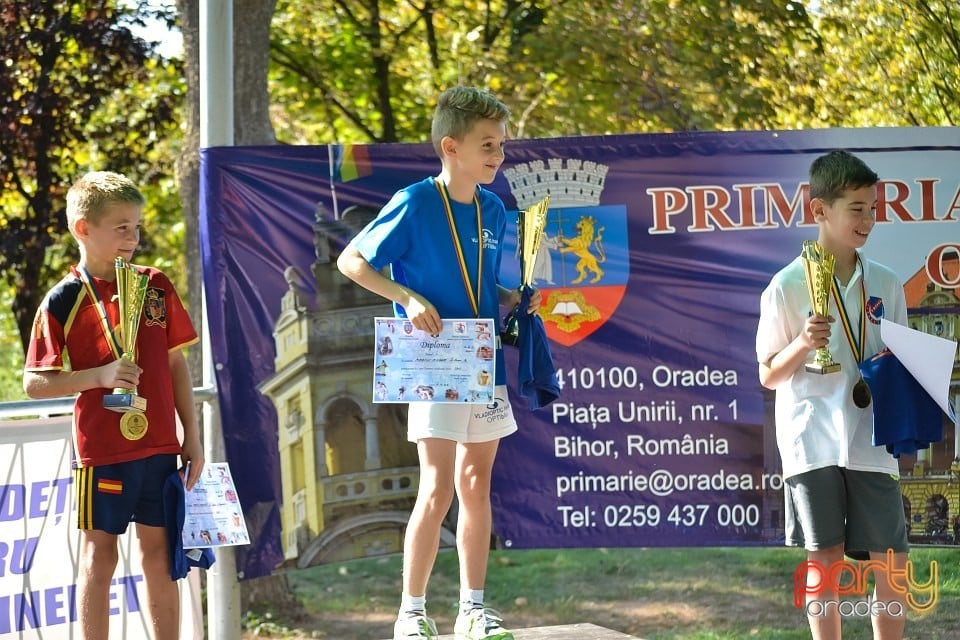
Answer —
(131, 293)
(818, 265)
(530, 225)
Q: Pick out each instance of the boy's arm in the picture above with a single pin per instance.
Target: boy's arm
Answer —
(508, 297)
(192, 448)
(781, 366)
(55, 384)
(419, 311)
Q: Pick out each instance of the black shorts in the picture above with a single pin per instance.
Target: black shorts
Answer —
(862, 510)
(111, 496)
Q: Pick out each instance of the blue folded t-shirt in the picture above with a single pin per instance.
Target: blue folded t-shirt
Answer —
(174, 514)
(536, 373)
(905, 417)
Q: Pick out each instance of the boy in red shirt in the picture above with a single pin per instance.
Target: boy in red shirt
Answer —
(118, 473)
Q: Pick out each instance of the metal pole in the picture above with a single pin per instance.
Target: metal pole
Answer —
(216, 73)
(216, 130)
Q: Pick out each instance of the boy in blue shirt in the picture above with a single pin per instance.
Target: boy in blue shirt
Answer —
(442, 238)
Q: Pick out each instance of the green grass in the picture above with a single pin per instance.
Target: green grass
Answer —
(656, 594)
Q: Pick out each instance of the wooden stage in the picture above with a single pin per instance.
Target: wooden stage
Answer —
(565, 632)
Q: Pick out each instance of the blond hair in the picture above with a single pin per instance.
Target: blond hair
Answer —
(90, 195)
(459, 108)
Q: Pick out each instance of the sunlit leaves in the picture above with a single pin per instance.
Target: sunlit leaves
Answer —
(352, 70)
(357, 71)
(75, 96)
(886, 64)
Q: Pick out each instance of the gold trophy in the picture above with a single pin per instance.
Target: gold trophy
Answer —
(818, 265)
(131, 293)
(530, 226)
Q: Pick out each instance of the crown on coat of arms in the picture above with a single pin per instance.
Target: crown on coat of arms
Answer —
(574, 183)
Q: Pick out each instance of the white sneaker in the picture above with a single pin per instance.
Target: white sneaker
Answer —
(414, 625)
(480, 624)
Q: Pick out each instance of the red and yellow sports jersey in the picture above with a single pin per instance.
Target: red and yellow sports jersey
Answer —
(68, 326)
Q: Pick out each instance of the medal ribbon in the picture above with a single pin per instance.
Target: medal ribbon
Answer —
(104, 320)
(472, 293)
(856, 345)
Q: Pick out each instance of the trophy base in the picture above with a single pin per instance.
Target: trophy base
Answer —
(821, 369)
(124, 402)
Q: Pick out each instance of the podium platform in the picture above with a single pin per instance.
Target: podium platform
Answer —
(584, 631)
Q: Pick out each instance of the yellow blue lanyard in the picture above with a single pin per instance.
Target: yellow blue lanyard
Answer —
(472, 293)
(104, 320)
(856, 345)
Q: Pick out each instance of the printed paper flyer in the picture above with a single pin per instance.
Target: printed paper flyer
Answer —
(214, 517)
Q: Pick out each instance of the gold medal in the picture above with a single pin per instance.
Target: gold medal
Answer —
(861, 391)
(861, 394)
(133, 425)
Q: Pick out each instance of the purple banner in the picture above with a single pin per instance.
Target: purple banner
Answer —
(656, 250)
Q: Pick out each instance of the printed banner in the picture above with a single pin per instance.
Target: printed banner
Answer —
(39, 541)
(655, 252)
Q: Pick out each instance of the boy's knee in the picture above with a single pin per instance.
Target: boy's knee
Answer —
(474, 482)
(438, 498)
(100, 566)
(475, 498)
(100, 554)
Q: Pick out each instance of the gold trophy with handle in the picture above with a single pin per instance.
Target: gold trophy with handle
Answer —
(530, 226)
(818, 265)
(131, 293)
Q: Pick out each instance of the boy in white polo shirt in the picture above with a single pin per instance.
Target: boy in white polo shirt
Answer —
(842, 493)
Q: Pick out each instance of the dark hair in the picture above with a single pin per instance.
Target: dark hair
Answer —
(458, 108)
(836, 172)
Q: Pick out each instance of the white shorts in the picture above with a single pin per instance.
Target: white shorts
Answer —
(462, 422)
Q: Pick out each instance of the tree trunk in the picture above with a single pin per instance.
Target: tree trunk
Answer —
(28, 295)
(188, 170)
(251, 61)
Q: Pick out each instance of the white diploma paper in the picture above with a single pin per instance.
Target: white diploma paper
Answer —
(928, 358)
(213, 517)
(410, 365)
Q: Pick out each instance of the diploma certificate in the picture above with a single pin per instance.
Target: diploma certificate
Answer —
(213, 517)
(410, 365)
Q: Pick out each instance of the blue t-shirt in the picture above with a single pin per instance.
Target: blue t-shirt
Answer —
(411, 235)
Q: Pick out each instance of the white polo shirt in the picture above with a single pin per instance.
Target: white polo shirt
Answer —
(818, 425)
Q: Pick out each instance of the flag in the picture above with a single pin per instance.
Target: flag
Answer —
(351, 161)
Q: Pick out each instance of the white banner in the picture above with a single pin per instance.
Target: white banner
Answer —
(39, 543)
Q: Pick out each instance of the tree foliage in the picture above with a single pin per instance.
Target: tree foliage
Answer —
(889, 63)
(365, 70)
(66, 106)
(368, 70)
